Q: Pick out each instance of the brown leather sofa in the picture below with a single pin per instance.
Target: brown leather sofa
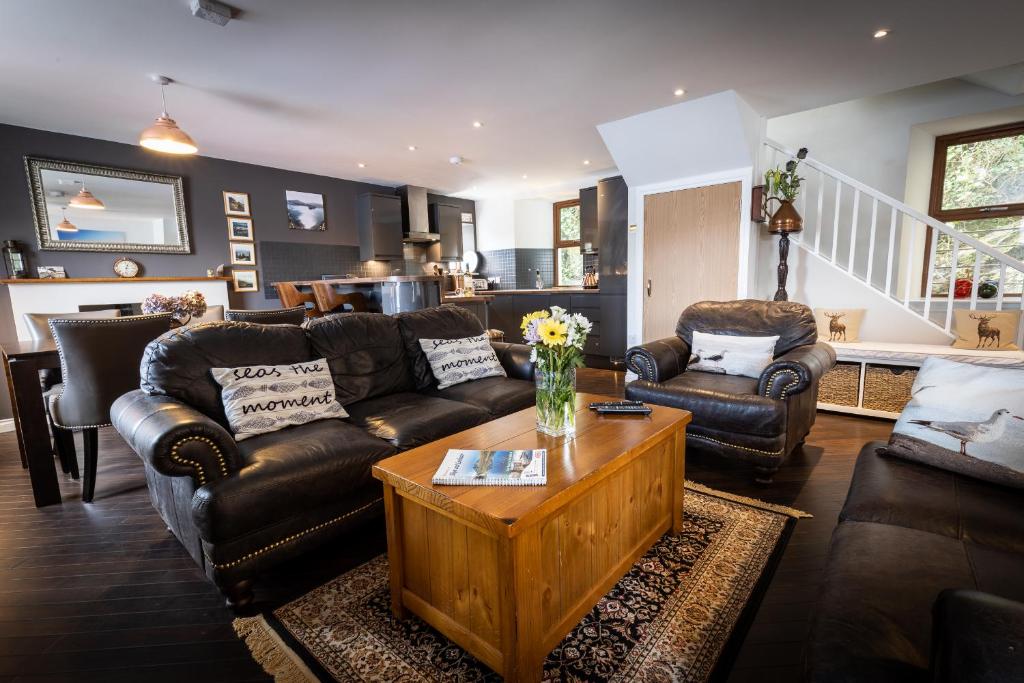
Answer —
(241, 507)
(924, 580)
(760, 420)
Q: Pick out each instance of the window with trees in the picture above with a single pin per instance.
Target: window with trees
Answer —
(978, 189)
(568, 258)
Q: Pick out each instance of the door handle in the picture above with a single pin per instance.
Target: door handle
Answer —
(648, 288)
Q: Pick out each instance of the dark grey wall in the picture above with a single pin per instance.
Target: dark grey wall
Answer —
(204, 179)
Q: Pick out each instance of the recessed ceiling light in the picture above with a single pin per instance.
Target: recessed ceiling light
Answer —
(679, 92)
(882, 33)
(412, 148)
(478, 124)
(524, 176)
(586, 162)
(361, 165)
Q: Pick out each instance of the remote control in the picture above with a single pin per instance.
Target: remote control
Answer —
(624, 410)
(604, 404)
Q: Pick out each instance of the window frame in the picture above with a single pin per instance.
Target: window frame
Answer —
(935, 210)
(559, 243)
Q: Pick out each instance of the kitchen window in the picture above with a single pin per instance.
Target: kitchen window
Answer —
(978, 189)
(568, 257)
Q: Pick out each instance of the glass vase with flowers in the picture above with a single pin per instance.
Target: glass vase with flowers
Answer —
(557, 338)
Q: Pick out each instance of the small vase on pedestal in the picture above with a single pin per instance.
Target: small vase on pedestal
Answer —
(784, 221)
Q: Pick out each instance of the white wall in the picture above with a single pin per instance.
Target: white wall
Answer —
(533, 223)
(495, 224)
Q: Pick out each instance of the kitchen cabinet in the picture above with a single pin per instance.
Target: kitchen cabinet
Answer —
(589, 233)
(380, 227)
(446, 220)
(613, 230)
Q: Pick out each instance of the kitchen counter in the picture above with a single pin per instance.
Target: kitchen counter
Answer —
(546, 290)
(368, 280)
(455, 299)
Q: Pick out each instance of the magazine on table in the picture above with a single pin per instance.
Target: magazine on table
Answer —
(493, 468)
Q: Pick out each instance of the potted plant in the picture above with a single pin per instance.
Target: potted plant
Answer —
(182, 308)
(557, 339)
(783, 185)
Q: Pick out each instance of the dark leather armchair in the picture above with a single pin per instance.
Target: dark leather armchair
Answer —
(760, 420)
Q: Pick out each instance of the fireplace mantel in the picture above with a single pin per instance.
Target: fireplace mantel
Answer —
(67, 294)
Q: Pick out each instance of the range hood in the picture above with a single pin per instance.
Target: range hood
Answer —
(415, 221)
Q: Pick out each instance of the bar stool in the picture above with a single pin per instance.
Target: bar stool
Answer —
(99, 360)
(271, 316)
(329, 301)
(291, 297)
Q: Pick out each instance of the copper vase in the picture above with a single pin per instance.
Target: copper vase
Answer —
(785, 219)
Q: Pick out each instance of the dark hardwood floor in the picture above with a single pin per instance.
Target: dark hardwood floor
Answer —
(103, 592)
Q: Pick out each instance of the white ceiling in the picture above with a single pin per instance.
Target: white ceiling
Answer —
(320, 85)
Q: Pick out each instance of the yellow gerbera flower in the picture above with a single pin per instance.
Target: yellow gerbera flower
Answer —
(552, 332)
(530, 317)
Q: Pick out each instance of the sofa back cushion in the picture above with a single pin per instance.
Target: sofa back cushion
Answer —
(443, 322)
(365, 352)
(177, 364)
(792, 322)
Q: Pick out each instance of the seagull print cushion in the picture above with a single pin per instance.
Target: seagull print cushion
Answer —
(454, 361)
(725, 354)
(265, 398)
(965, 418)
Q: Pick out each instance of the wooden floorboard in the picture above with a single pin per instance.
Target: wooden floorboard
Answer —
(103, 592)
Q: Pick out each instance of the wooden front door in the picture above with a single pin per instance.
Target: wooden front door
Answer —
(691, 252)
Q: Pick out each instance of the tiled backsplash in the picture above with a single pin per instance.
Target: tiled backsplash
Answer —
(517, 268)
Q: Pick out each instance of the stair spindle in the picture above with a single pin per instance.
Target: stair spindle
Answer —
(892, 252)
(931, 274)
(853, 231)
(835, 223)
(951, 296)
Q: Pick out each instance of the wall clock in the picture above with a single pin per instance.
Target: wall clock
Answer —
(125, 267)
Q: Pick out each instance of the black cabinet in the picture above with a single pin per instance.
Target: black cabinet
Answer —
(613, 231)
(446, 220)
(589, 233)
(380, 227)
(613, 325)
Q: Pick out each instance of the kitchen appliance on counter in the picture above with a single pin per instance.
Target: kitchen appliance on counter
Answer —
(480, 284)
(589, 278)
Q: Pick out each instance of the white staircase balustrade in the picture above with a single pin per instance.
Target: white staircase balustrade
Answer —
(898, 251)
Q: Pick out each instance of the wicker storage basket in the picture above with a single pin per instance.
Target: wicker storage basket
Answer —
(887, 387)
(839, 385)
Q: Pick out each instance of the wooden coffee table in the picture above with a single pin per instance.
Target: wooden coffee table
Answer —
(506, 572)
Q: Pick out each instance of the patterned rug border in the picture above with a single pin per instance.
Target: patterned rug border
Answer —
(752, 502)
(280, 660)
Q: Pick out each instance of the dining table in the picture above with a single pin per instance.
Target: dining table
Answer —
(22, 362)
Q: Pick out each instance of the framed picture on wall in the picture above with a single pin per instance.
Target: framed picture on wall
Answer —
(305, 210)
(240, 229)
(243, 253)
(236, 203)
(245, 280)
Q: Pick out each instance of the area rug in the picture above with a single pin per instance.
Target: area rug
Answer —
(667, 619)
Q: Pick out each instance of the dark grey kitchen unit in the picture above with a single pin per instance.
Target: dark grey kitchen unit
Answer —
(589, 233)
(446, 220)
(380, 227)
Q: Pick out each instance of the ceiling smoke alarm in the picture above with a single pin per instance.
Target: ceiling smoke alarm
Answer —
(212, 11)
(455, 160)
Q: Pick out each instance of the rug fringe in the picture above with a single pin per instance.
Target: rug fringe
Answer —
(270, 652)
(752, 502)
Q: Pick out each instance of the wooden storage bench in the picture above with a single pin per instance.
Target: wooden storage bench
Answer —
(876, 378)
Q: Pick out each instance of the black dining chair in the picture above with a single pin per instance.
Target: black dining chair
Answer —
(99, 361)
(269, 316)
(38, 325)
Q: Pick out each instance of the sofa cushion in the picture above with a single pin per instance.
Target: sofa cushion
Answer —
(178, 362)
(407, 420)
(874, 614)
(497, 395)
(442, 322)
(793, 322)
(365, 352)
(319, 464)
(890, 490)
(461, 360)
(727, 402)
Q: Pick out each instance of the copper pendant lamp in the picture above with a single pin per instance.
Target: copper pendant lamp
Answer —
(66, 225)
(86, 200)
(165, 135)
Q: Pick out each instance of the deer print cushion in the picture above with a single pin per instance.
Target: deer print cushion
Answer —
(965, 418)
(728, 355)
(839, 324)
(454, 361)
(986, 330)
(265, 398)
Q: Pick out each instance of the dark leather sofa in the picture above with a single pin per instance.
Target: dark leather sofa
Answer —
(241, 507)
(761, 420)
(924, 580)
